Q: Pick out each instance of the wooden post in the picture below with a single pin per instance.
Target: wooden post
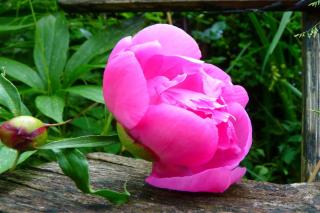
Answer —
(311, 98)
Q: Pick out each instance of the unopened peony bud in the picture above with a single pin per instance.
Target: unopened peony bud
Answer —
(23, 133)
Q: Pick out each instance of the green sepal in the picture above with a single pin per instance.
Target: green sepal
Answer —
(130, 145)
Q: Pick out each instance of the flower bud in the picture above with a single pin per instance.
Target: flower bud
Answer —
(23, 133)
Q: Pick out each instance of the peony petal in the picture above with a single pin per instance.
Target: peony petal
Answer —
(145, 51)
(171, 66)
(231, 156)
(235, 94)
(242, 126)
(159, 84)
(212, 86)
(192, 82)
(121, 46)
(173, 40)
(230, 92)
(176, 135)
(190, 100)
(211, 180)
(217, 73)
(125, 89)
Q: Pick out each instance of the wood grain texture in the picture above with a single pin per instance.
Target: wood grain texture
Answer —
(311, 98)
(180, 5)
(45, 189)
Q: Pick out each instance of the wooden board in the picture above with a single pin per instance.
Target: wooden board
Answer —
(311, 97)
(45, 189)
(157, 5)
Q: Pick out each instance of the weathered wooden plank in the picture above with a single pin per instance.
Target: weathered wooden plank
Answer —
(311, 98)
(44, 188)
(158, 5)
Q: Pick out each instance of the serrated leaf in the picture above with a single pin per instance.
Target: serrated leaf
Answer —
(50, 51)
(22, 72)
(9, 96)
(90, 92)
(75, 165)
(51, 106)
(80, 142)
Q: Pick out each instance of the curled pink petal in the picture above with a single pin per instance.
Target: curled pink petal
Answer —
(173, 40)
(121, 46)
(242, 125)
(125, 89)
(234, 140)
(176, 135)
(236, 94)
(157, 85)
(192, 82)
(211, 180)
(216, 72)
(145, 51)
(171, 66)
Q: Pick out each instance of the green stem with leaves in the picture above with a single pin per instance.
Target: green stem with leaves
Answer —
(106, 128)
(15, 162)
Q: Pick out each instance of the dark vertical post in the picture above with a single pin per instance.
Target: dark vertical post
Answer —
(311, 98)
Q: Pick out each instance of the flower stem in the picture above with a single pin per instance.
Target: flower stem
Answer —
(15, 162)
(71, 119)
(169, 18)
(32, 12)
(106, 128)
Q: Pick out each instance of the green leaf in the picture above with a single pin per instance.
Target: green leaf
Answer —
(22, 72)
(113, 196)
(282, 26)
(79, 142)
(51, 106)
(289, 155)
(4, 114)
(90, 92)
(238, 58)
(24, 109)
(88, 125)
(9, 96)
(8, 156)
(94, 46)
(292, 88)
(9, 28)
(134, 148)
(50, 51)
(258, 28)
(75, 165)
(9, 24)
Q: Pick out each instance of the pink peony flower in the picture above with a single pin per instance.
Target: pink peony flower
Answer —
(187, 112)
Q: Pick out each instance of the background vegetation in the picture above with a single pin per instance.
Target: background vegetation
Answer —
(259, 50)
